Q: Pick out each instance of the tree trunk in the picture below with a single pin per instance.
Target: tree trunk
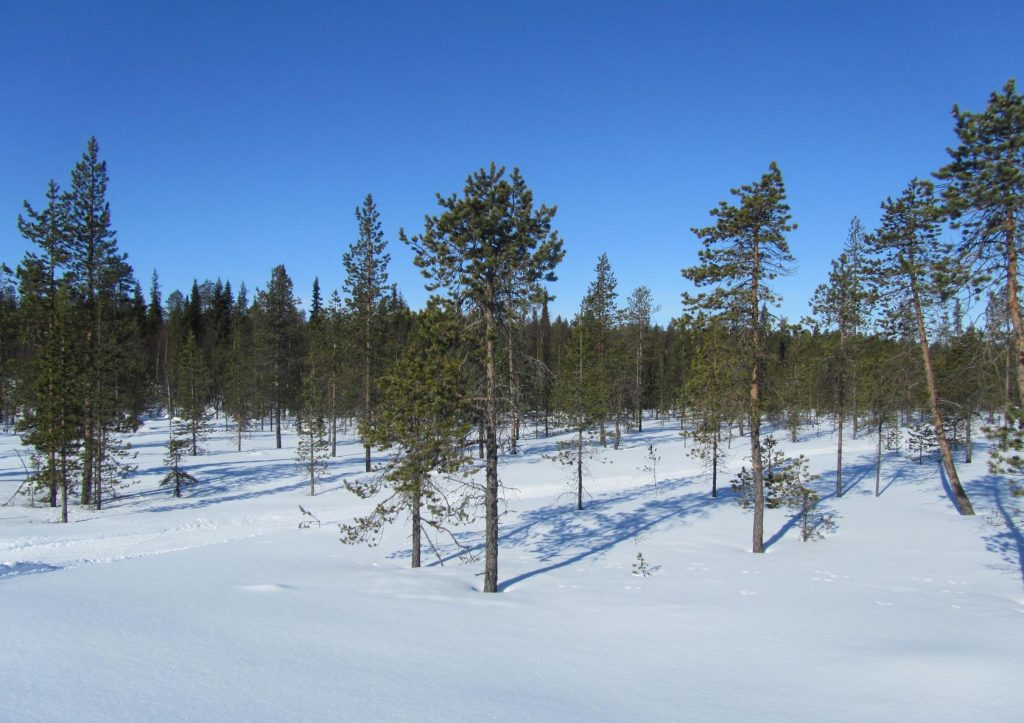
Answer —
(277, 421)
(968, 439)
(491, 450)
(101, 452)
(312, 466)
(963, 503)
(878, 458)
(334, 418)
(714, 464)
(63, 488)
(839, 453)
(755, 403)
(1013, 305)
(367, 372)
(755, 463)
(579, 468)
(417, 528)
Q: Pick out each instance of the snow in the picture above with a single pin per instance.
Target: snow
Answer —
(218, 607)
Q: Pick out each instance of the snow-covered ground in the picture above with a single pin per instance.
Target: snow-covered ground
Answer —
(217, 606)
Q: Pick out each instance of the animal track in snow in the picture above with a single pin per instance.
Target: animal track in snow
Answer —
(828, 576)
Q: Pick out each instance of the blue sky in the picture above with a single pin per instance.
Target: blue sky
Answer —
(241, 135)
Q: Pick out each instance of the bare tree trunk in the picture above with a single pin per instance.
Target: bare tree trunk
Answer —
(839, 453)
(1013, 305)
(963, 503)
(277, 421)
(417, 528)
(491, 463)
(968, 437)
(714, 464)
(878, 458)
(367, 372)
(579, 468)
(334, 417)
(755, 405)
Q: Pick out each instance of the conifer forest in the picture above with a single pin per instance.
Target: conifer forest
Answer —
(911, 349)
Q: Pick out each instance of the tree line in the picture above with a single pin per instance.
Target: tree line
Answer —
(907, 329)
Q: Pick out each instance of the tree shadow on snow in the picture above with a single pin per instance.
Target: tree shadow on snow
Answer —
(561, 535)
(1006, 520)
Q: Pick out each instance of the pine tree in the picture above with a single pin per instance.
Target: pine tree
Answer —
(366, 268)
(313, 447)
(711, 395)
(424, 417)
(580, 394)
(314, 441)
(191, 393)
(178, 443)
(983, 193)
(742, 252)
(489, 250)
(598, 313)
(240, 389)
(639, 308)
(842, 304)
(103, 285)
(907, 244)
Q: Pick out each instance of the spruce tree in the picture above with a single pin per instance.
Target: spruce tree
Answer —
(489, 249)
(278, 332)
(52, 375)
(744, 250)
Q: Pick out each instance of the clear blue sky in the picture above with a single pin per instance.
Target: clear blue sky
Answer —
(240, 135)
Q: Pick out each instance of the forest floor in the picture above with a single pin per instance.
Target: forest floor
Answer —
(217, 606)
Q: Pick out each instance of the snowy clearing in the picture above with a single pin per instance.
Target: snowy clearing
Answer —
(217, 606)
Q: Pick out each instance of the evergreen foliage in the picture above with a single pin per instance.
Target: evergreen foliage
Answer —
(741, 253)
(366, 268)
(424, 416)
(489, 250)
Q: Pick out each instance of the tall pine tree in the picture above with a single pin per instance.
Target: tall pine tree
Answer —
(742, 252)
(489, 250)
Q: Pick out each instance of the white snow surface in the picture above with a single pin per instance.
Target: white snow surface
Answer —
(216, 606)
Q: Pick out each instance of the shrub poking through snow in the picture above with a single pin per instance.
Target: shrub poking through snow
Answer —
(641, 568)
(785, 485)
(921, 439)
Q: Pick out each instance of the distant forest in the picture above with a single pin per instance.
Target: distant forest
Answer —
(86, 353)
